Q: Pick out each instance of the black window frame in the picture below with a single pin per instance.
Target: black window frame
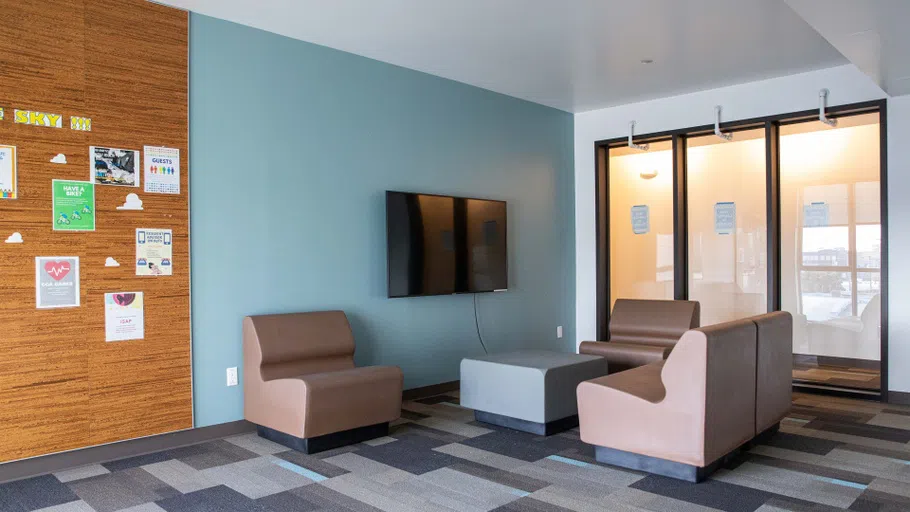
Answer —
(679, 137)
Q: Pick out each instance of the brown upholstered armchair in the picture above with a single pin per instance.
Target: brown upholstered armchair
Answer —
(643, 331)
(722, 387)
(301, 388)
(677, 418)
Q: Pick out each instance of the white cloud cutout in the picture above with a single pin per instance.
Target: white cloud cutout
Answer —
(15, 238)
(111, 262)
(132, 203)
(59, 159)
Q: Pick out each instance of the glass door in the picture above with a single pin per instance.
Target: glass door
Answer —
(831, 254)
(727, 225)
(641, 222)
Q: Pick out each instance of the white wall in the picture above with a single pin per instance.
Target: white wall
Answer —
(898, 243)
(756, 99)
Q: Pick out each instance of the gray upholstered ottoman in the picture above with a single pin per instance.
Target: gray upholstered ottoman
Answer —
(532, 391)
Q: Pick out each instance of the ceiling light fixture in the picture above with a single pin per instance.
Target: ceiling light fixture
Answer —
(647, 61)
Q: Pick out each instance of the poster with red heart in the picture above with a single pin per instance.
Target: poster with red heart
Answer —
(56, 282)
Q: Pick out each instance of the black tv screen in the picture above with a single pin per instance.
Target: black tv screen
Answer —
(440, 245)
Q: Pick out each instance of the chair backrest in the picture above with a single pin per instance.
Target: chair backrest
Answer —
(774, 370)
(295, 344)
(653, 322)
(711, 372)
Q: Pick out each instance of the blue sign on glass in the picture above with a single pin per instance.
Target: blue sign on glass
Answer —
(725, 218)
(815, 215)
(641, 219)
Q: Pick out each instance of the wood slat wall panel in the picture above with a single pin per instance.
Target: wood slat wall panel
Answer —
(123, 63)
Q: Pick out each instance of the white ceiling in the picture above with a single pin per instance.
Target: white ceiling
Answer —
(873, 34)
(575, 55)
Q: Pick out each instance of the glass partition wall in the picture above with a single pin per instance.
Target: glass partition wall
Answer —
(727, 225)
(641, 223)
(786, 215)
(831, 249)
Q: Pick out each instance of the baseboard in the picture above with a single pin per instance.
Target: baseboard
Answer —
(843, 362)
(432, 390)
(35, 466)
(841, 392)
(898, 398)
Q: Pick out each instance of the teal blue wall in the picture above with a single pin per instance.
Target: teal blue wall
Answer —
(292, 147)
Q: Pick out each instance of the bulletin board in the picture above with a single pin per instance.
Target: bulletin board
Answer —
(116, 74)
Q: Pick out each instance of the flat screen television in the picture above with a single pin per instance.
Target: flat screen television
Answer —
(441, 245)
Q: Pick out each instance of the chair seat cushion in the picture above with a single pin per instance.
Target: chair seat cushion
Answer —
(623, 356)
(643, 382)
(347, 399)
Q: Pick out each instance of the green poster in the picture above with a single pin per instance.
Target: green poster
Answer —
(74, 205)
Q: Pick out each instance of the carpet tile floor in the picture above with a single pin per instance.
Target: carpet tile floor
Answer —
(831, 454)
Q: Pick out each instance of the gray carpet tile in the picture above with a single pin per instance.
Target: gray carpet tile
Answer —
(135, 462)
(34, 493)
(882, 452)
(521, 445)
(781, 503)
(330, 500)
(862, 430)
(318, 466)
(287, 500)
(213, 499)
(896, 411)
(502, 477)
(438, 399)
(878, 501)
(413, 415)
(81, 472)
(439, 435)
(528, 504)
(811, 469)
(209, 455)
(802, 443)
(122, 489)
(412, 453)
(711, 493)
(831, 454)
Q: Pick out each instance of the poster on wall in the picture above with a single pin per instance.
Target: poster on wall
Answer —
(112, 166)
(8, 172)
(641, 219)
(154, 252)
(815, 215)
(124, 316)
(725, 218)
(56, 282)
(74, 205)
(162, 170)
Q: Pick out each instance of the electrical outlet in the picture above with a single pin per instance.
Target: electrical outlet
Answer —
(232, 376)
(559, 331)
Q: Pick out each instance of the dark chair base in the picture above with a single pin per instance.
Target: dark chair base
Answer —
(657, 466)
(311, 445)
(672, 469)
(531, 427)
(762, 436)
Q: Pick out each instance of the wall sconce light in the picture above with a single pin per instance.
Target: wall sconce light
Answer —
(647, 175)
